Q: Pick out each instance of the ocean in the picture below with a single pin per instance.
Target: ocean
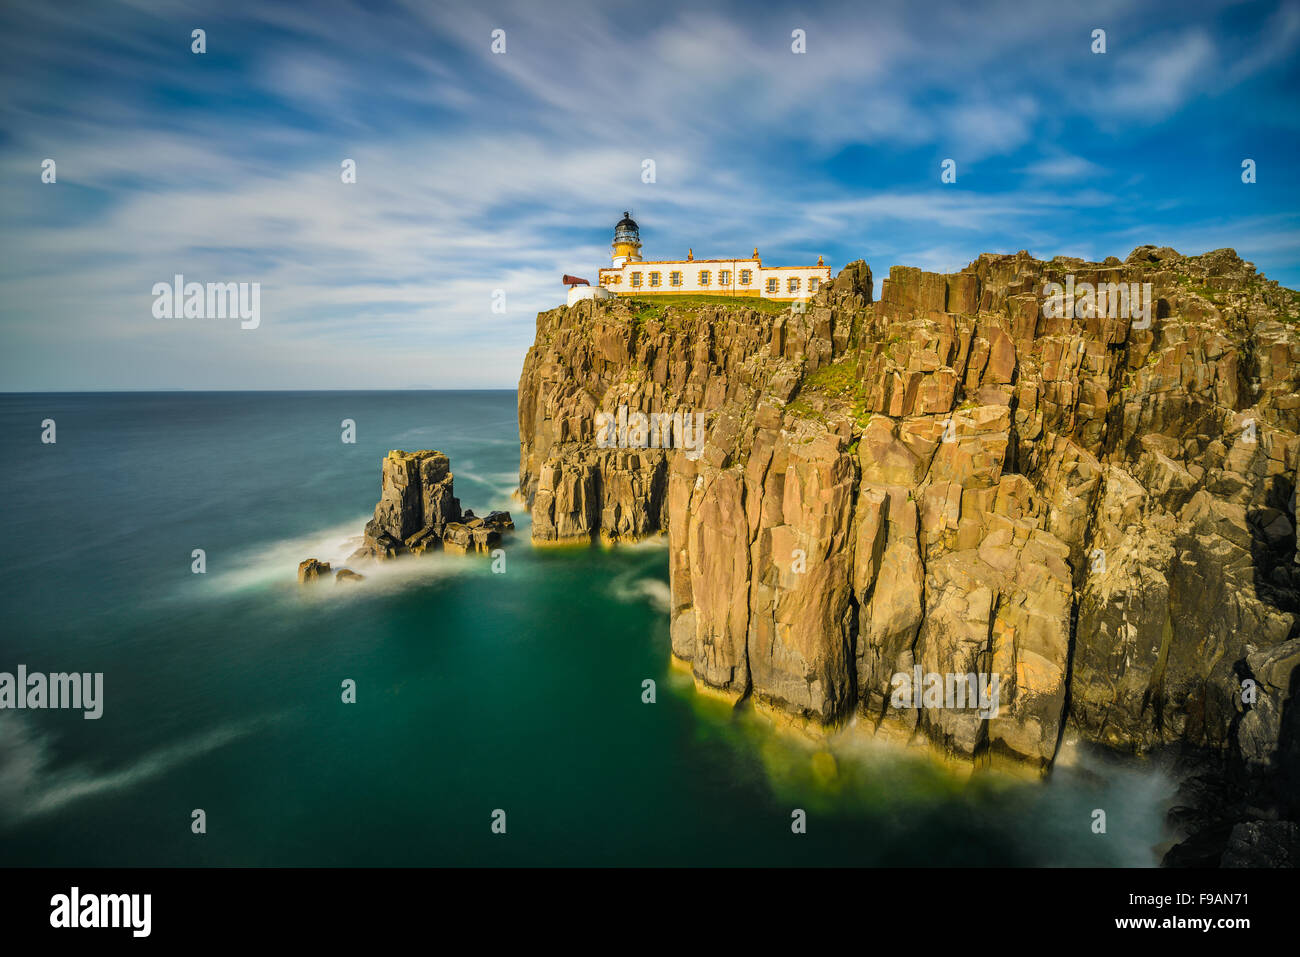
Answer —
(476, 692)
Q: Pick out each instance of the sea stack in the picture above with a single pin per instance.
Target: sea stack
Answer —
(417, 512)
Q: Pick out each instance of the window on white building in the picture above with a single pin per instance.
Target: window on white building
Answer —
(814, 284)
(792, 285)
(771, 286)
(704, 277)
(636, 279)
(745, 277)
(724, 277)
(654, 279)
(674, 279)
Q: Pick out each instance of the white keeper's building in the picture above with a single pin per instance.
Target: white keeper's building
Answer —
(630, 275)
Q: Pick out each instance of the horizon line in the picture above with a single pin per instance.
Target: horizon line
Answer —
(220, 391)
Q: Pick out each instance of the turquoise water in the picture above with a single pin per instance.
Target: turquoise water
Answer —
(476, 691)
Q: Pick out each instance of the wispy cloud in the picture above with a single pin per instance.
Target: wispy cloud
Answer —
(1157, 78)
(478, 172)
(1062, 166)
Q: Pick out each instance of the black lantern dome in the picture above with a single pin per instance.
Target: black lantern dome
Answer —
(627, 229)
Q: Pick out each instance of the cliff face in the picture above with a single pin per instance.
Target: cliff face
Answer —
(957, 478)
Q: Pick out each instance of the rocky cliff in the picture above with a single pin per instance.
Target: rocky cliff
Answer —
(1092, 503)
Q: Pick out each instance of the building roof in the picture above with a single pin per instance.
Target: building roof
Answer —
(636, 264)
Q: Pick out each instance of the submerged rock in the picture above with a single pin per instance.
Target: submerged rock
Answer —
(347, 575)
(312, 570)
(1263, 844)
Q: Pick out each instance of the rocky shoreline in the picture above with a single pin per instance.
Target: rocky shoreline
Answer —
(961, 479)
(417, 512)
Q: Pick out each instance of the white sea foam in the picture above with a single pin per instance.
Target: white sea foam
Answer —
(275, 564)
(29, 787)
(652, 544)
(503, 486)
(629, 589)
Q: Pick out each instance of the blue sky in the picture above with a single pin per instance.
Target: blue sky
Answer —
(478, 171)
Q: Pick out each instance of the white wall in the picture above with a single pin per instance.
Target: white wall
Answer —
(579, 293)
(691, 270)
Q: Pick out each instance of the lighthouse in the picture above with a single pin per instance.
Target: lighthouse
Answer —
(627, 241)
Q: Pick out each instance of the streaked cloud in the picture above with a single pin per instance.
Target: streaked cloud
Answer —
(479, 172)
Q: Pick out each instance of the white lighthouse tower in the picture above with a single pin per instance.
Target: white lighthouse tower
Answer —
(627, 241)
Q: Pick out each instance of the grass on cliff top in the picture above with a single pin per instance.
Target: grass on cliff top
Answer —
(1290, 309)
(1292, 298)
(1202, 290)
(651, 300)
(647, 312)
(840, 381)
